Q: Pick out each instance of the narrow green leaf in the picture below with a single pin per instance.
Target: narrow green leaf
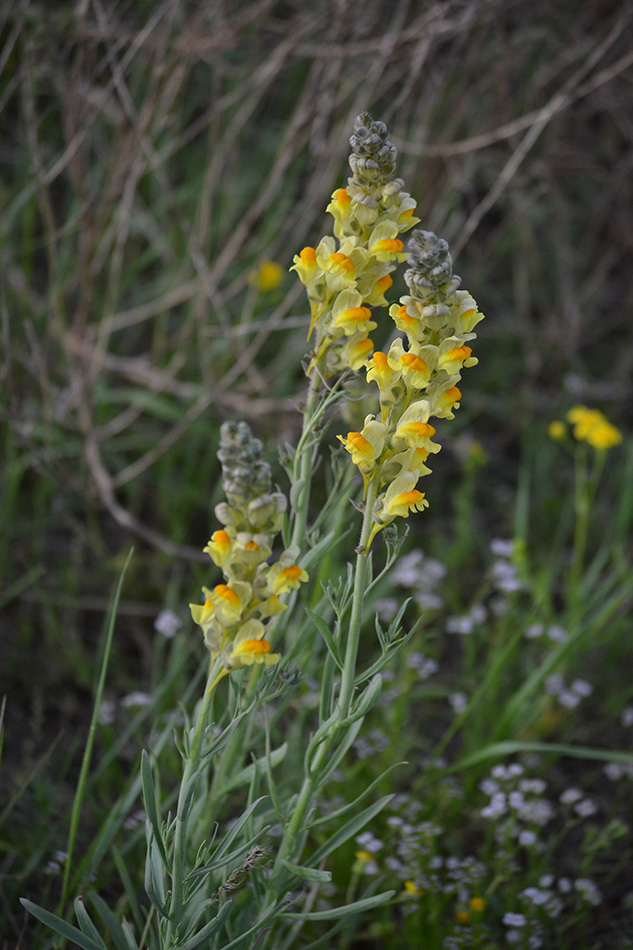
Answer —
(245, 776)
(366, 701)
(209, 929)
(151, 807)
(86, 925)
(309, 874)
(347, 910)
(353, 806)
(326, 633)
(224, 845)
(499, 750)
(349, 829)
(119, 939)
(60, 926)
(82, 782)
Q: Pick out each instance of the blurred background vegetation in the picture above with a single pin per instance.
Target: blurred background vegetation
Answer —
(152, 154)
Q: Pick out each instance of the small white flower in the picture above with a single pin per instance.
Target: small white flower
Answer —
(136, 699)
(582, 688)
(533, 631)
(514, 920)
(527, 839)
(554, 684)
(570, 796)
(502, 548)
(387, 608)
(627, 717)
(463, 625)
(557, 634)
(106, 714)
(458, 701)
(568, 699)
(586, 808)
(167, 623)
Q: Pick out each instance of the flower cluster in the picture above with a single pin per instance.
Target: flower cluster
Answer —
(234, 615)
(589, 425)
(416, 381)
(347, 274)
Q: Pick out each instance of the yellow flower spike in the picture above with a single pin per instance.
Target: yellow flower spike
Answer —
(267, 276)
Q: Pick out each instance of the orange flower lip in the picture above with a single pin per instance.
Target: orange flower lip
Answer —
(227, 593)
(252, 546)
(420, 428)
(342, 197)
(380, 359)
(221, 538)
(255, 646)
(308, 255)
(292, 572)
(416, 363)
(343, 261)
(388, 244)
(359, 314)
(458, 353)
(359, 441)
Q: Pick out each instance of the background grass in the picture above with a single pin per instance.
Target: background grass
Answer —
(152, 153)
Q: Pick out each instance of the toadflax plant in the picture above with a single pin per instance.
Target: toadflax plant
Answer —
(215, 875)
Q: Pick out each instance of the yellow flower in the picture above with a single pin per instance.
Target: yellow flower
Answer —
(453, 358)
(401, 498)
(591, 426)
(462, 916)
(447, 401)
(266, 276)
(376, 296)
(219, 548)
(411, 888)
(604, 435)
(366, 446)
(249, 646)
(282, 579)
(477, 904)
(366, 856)
(230, 602)
(305, 264)
(356, 350)
(556, 430)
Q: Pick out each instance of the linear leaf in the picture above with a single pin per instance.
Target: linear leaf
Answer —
(349, 829)
(117, 934)
(60, 926)
(347, 910)
(309, 874)
(326, 633)
(209, 929)
(151, 807)
(86, 925)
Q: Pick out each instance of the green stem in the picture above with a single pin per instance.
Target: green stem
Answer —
(183, 807)
(311, 781)
(302, 472)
